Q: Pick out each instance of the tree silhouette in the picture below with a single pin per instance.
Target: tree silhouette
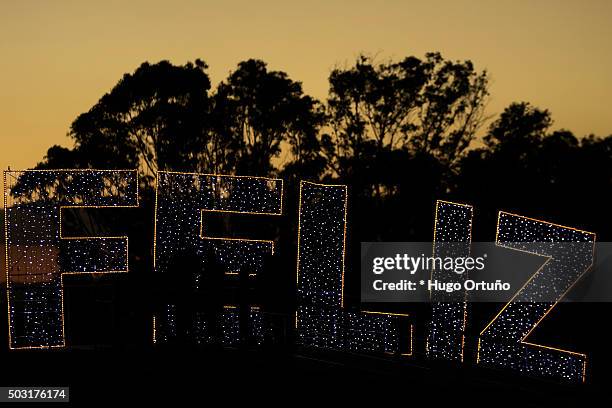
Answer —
(162, 117)
(432, 106)
(520, 125)
(264, 112)
(152, 119)
(399, 132)
(525, 167)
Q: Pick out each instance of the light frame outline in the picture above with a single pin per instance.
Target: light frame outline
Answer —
(547, 258)
(61, 237)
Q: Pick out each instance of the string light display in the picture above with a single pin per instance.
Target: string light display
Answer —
(181, 202)
(452, 238)
(38, 255)
(231, 325)
(370, 332)
(165, 329)
(202, 332)
(321, 318)
(257, 327)
(569, 254)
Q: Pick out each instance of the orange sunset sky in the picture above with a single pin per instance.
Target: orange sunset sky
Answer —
(58, 57)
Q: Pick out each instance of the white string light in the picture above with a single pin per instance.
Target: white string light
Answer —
(38, 255)
(452, 238)
(503, 343)
(181, 202)
(321, 318)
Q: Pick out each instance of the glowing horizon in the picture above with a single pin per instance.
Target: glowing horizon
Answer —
(59, 58)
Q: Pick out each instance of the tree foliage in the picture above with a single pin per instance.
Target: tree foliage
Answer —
(401, 133)
(431, 106)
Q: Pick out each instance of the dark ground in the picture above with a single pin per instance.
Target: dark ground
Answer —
(111, 359)
(229, 376)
